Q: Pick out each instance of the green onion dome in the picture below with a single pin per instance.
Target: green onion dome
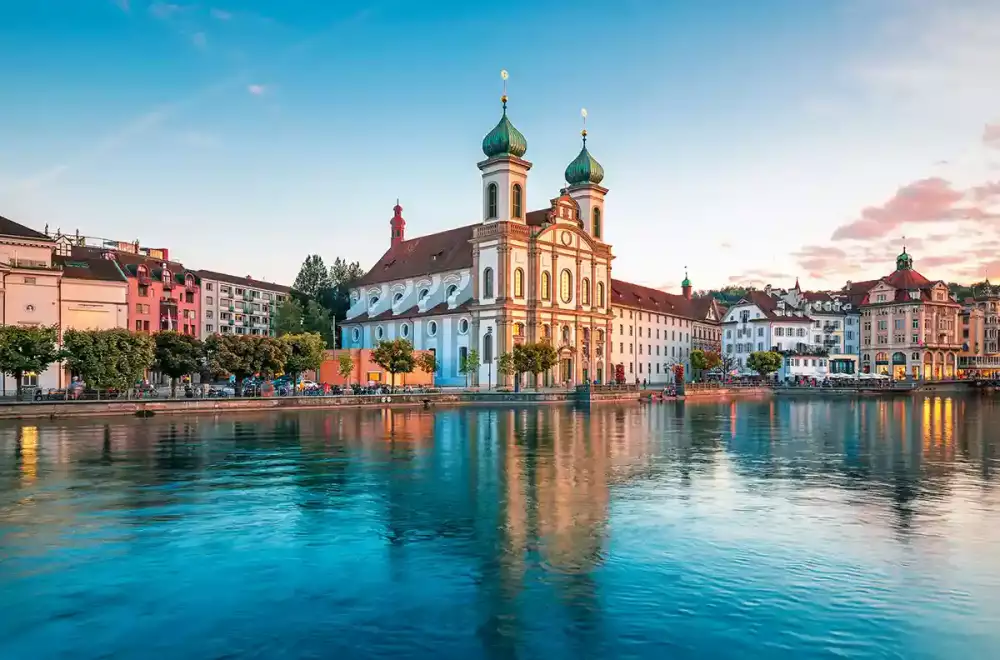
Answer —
(504, 140)
(685, 282)
(904, 261)
(584, 168)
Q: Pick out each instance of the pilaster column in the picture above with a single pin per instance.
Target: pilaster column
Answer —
(579, 262)
(593, 283)
(554, 279)
(475, 275)
(503, 275)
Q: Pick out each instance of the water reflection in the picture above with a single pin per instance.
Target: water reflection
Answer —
(749, 528)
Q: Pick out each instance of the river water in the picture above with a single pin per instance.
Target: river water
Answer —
(767, 528)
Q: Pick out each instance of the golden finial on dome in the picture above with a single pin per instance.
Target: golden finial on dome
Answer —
(583, 113)
(503, 99)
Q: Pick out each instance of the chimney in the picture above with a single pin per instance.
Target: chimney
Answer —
(397, 225)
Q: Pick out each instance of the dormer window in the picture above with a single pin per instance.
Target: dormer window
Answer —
(397, 298)
(373, 301)
(166, 275)
(424, 293)
(452, 290)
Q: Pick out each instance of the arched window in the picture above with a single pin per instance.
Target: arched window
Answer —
(491, 201)
(515, 203)
(600, 294)
(566, 286)
(487, 348)
(585, 292)
(487, 283)
(519, 330)
(565, 333)
(597, 223)
(546, 286)
(518, 283)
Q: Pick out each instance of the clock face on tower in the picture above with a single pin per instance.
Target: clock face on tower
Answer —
(566, 286)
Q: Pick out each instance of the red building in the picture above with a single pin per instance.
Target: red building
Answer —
(162, 294)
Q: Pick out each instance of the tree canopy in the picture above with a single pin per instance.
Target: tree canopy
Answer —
(243, 356)
(27, 350)
(288, 317)
(313, 278)
(305, 352)
(177, 355)
(113, 358)
(534, 357)
(764, 362)
(395, 356)
(469, 364)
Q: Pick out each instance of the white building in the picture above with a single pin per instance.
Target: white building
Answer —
(238, 305)
(762, 322)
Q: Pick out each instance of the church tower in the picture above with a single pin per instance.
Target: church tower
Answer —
(505, 172)
(397, 226)
(584, 176)
(686, 285)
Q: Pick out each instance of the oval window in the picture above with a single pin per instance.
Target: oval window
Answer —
(463, 326)
(356, 334)
(379, 333)
(404, 330)
(432, 328)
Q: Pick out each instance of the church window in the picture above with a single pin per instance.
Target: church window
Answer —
(373, 301)
(491, 201)
(487, 283)
(597, 223)
(379, 333)
(463, 326)
(518, 283)
(356, 334)
(451, 290)
(516, 199)
(566, 286)
(487, 348)
(519, 330)
(546, 286)
(424, 293)
(432, 328)
(600, 294)
(397, 298)
(565, 333)
(404, 330)
(585, 291)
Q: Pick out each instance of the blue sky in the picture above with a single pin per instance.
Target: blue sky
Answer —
(743, 139)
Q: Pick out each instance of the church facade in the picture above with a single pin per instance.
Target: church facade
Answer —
(514, 276)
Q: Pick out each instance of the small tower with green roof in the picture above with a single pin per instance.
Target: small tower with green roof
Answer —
(686, 285)
(584, 175)
(505, 172)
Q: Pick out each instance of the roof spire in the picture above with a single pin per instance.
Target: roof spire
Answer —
(503, 99)
(583, 113)
(504, 139)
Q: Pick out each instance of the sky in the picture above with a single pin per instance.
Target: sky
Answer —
(751, 142)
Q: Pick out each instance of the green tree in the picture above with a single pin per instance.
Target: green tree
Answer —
(469, 365)
(313, 278)
(113, 358)
(242, 356)
(176, 355)
(427, 362)
(764, 362)
(534, 358)
(702, 361)
(288, 317)
(343, 277)
(506, 365)
(305, 353)
(726, 363)
(345, 366)
(318, 320)
(26, 350)
(394, 356)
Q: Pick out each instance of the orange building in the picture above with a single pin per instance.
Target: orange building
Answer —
(366, 371)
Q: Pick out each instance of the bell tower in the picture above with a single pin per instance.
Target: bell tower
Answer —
(584, 175)
(397, 226)
(505, 172)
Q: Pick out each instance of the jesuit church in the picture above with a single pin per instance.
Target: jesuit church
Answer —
(514, 276)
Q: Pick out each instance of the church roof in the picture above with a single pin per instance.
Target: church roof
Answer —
(105, 270)
(11, 228)
(908, 279)
(434, 253)
(627, 294)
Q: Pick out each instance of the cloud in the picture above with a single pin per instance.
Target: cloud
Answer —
(928, 200)
(991, 135)
(199, 40)
(221, 14)
(257, 90)
(164, 10)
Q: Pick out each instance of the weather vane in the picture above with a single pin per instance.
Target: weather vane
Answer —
(504, 75)
(583, 113)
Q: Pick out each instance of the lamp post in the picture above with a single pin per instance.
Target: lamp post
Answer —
(489, 358)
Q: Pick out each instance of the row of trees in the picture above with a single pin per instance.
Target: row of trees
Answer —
(763, 362)
(320, 297)
(118, 359)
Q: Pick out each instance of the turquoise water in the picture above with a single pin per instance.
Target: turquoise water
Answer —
(753, 529)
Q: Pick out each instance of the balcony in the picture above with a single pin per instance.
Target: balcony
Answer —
(829, 327)
(168, 284)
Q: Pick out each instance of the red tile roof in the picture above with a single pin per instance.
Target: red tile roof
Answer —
(627, 294)
(434, 253)
(768, 306)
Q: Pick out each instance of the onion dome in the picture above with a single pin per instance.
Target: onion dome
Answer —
(685, 282)
(504, 139)
(584, 168)
(904, 261)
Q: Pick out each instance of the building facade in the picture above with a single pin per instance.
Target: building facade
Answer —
(238, 305)
(514, 276)
(762, 321)
(911, 326)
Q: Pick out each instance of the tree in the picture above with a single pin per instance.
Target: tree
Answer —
(469, 365)
(702, 361)
(107, 359)
(305, 352)
(313, 278)
(176, 355)
(288, 317)
(534, 358)
(427, 362)
(318, 320)
(764, 362)
(343, 276)
(242, 356)
(345, 366)
(394, 356)
(26, 350)
(505, 364)
(726, 363)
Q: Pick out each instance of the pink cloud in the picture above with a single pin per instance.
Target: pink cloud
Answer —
(256, 90)
(927, 200)
(991, 135)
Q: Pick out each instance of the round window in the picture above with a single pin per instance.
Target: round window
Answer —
(356, 334)
(404, 330)
(396, 298)
(463, 326)
(379, 332)
(432, 328)
(373, 301)
(424, 293)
